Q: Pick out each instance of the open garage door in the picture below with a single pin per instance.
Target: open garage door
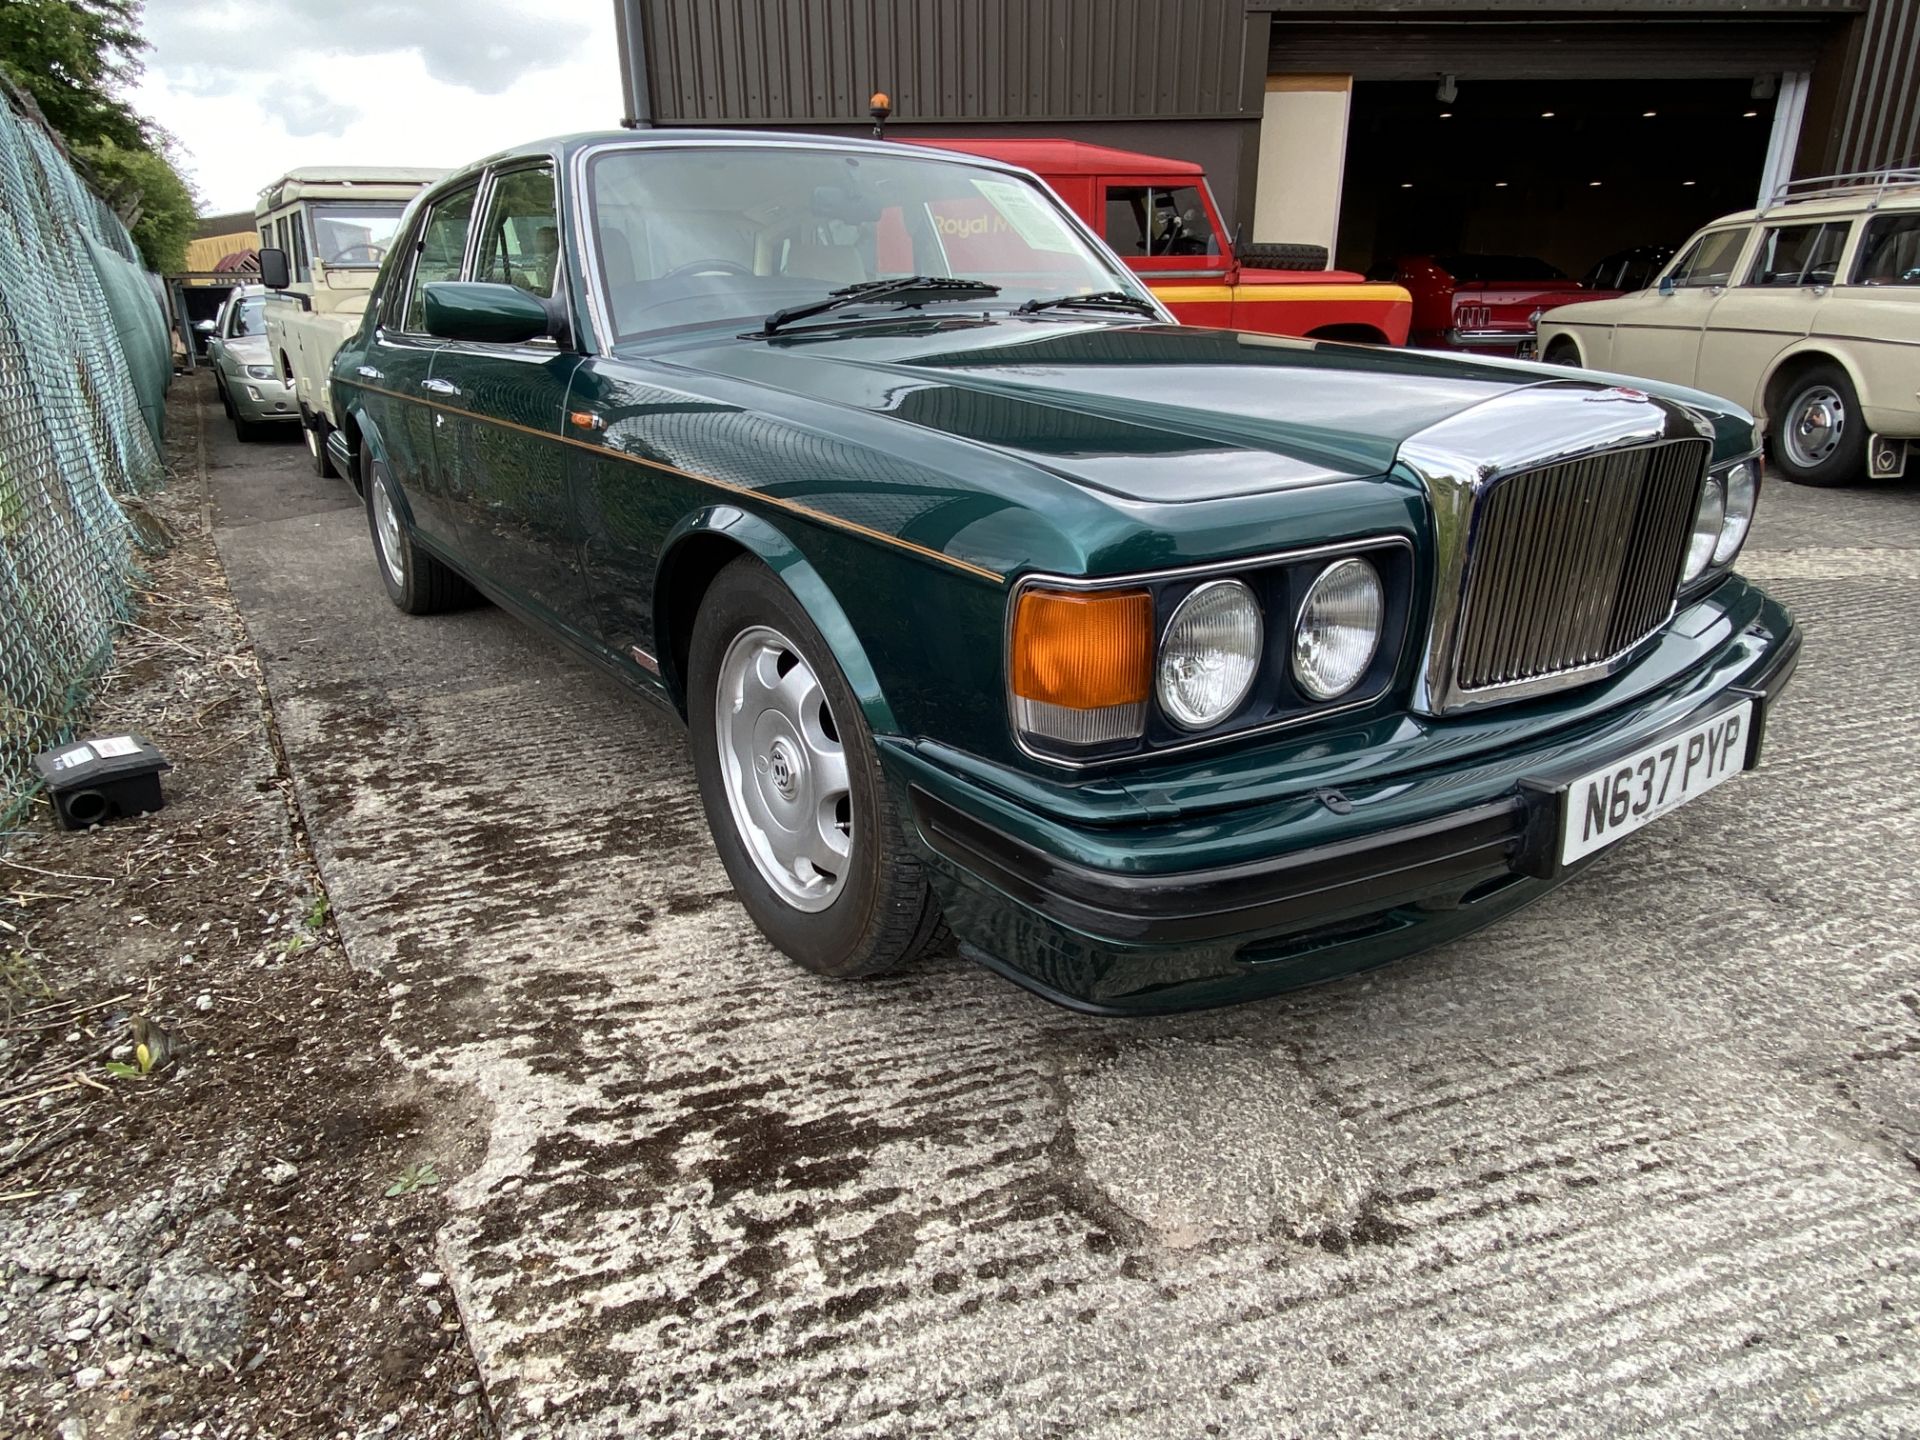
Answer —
(1563, 172)
(1558, 142)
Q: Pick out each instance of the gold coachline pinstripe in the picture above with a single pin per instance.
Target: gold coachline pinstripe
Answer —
(775, 500)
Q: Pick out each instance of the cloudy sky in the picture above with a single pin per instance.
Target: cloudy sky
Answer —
(253, 89)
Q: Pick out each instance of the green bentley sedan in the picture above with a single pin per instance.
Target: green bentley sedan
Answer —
(1165, 667)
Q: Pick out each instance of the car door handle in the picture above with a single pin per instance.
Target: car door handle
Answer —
(441, 387)
(367, 372)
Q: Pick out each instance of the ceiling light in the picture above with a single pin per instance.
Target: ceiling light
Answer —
(1446, 114)
(1406, 185)
(1593, 184)
(1648, 114)
(1685, 183)
(1749, 114)
(1499, 184)
(1546, 114)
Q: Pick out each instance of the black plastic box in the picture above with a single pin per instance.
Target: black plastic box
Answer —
(104, 778)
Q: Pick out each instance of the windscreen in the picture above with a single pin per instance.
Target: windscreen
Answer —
(696, 236)
(349, 235)
(249, 317)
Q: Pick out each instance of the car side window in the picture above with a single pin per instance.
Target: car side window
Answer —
(520, 241)
(1710, 259)
(1795, 255)
(301, 271)
(1889, 251)
(443, 245)
(1159, 220)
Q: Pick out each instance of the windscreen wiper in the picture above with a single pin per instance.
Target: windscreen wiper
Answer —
(1098, 300)
(905, 290)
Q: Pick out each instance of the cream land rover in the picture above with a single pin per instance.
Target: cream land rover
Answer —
(1806, 312)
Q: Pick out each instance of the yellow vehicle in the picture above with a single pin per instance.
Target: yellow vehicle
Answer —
(323, 232)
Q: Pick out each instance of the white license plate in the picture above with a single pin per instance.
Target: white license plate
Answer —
(1638, 788)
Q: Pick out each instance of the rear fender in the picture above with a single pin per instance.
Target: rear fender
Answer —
(1803, 350)
(762, 539)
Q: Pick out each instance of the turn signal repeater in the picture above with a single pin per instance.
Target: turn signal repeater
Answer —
(1081, 666)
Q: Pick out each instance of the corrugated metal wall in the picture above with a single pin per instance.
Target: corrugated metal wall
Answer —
(815, 62)
(1877, 122)
(1670, 47)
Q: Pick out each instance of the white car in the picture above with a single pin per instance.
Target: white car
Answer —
(1806, 312)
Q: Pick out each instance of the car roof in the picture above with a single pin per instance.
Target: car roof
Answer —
(359, 174)
(564, 147)
(1903, 197)
(1067, 157)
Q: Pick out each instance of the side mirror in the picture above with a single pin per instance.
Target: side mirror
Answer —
(490, 314)
(1666, 284)
(275, 272)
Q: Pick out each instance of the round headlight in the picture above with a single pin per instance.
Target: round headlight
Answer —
(260, 372)
(1209, 655)
(1338, 629)
(1708, 521)
(1743, 490)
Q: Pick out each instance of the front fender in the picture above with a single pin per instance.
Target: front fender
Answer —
(777, 551)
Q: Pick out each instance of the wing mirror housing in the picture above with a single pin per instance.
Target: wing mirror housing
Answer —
(275, 272)
(488, 313)
(1666, 284)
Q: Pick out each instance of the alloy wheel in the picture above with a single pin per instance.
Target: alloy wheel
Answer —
(784, 768)
(386, 526)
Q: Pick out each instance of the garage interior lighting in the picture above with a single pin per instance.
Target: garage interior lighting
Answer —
(1499, 184)
(1749, 115)
(1685, 183)
(1406, 185)
(1648, 114)
(1593, 184)
(1446, 114)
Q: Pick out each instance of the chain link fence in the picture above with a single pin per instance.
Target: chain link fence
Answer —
(73, 441)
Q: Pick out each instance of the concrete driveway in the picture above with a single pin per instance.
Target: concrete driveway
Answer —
(1640, 1161)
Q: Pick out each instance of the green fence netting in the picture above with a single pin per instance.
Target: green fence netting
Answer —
(73, 440)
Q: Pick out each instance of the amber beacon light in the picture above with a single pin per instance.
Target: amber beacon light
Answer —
(1082, 665)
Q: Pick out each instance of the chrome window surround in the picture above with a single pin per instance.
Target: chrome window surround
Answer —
(1456, 461)
(1338, 549)
(600, 311)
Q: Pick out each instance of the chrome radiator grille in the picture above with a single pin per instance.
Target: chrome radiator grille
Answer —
(1572, 563)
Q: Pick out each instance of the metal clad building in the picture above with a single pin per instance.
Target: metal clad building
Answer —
(1277, 98)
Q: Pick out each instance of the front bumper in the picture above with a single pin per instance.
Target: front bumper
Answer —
(1104, 918)
(261, 401)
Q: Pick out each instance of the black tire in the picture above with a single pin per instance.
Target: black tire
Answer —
(313, 429)
(226, 403)
(1563, 351)
(1846, 462)
(1284, 257)
(423, 585)
(247, 432)
(884, 913)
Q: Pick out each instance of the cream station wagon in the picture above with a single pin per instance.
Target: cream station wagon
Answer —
(1806, 312)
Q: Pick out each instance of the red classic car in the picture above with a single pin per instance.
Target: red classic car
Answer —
(1159, 215)
(1483, 303)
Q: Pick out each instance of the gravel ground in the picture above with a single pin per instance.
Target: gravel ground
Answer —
(1642, 1160)
(210, 1250)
